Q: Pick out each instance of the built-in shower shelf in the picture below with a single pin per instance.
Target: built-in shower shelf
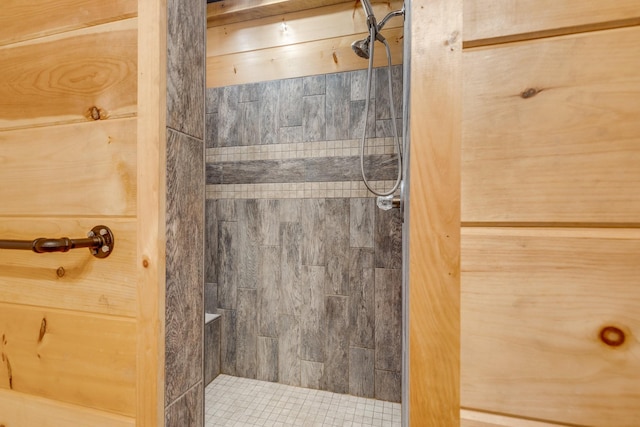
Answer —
(210, 317)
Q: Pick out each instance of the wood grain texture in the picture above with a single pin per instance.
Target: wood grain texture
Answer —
(246, 347)
(78, 358)
(489, 21)
(188, 410)
(64, 78)
(434, 209)
(37, 411)
(228, 12)
(22, 20)
(305, 59)
(327, 22)
(469, 418)
(388, 319)
(62, 178)
(566, 151)
(534, 304)
(312, 314)
(267, 349)
(184, 303)
(185, 67)
(151, 211)
(88, 284)
(336, 366)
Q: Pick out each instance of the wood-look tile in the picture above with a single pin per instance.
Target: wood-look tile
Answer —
(313, 118)
(228, 117)
(248, 219)
(211, 350)
(312, 321)
(313, 233)
(290, 264)
(356, 112)
(211, 99)
(184, 264)
(361, 222)
(249, 132)
(249, 92)
(336, 366)
(228, 340)
(187, 410)
(247, 333)
(268, 222)
(268, 290)
(323, 169)
(362, 301)
(267, 359)
(213, 173)
(388, 319)
(388, 386)
(290, 102)
(337, 246)
(210, 297)
(384, 128)
(268, 112)
(314, 85)
(263, 171)
(361, 372)
(337, 106)
(388, 238)
(210, 242)
(291, 210)
(211, 130)
(227, 264)
(383, 110)
(290, 134)
(288, 350)
(312, 375)
(359, 85)
(186, 26)
(226, 210)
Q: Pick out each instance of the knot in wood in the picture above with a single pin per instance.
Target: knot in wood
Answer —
(612, 336)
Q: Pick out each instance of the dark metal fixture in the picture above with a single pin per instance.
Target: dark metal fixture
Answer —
(100, 242)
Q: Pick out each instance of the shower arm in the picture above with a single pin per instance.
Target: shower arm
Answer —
(390, 15)
(100, 242)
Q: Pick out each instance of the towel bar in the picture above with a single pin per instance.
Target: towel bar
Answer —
(100, 241)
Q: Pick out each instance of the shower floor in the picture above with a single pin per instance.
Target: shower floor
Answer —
(233, 401)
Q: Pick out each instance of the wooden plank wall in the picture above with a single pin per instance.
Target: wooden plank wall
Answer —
(68, 85)
(551, 214)
(295, 44)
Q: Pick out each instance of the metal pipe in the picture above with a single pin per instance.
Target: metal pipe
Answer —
(100, 242)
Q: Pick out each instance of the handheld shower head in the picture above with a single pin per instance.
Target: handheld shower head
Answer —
(361, 47)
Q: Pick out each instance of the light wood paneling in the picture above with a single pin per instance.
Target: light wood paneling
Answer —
(62, 78)
(499, 21)
(151, 210)
(230, 11)
(80, 169)
(551, 130)
(434, 212)
(481, 419)
(534, 304)
(18, 409)
(23, 20)
(88, 284)
(329, 22)
(82, 359)
(318, 57)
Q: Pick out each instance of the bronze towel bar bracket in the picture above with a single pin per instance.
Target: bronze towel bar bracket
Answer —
(100, 242)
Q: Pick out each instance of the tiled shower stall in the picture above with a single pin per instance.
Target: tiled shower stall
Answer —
(303, 268)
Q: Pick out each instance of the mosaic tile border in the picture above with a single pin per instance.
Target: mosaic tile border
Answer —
(342, 148)
(302, 190)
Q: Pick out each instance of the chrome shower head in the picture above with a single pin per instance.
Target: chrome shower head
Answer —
(361, 47)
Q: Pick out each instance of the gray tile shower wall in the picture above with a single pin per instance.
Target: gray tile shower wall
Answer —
(304, 268)
(184, 325)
